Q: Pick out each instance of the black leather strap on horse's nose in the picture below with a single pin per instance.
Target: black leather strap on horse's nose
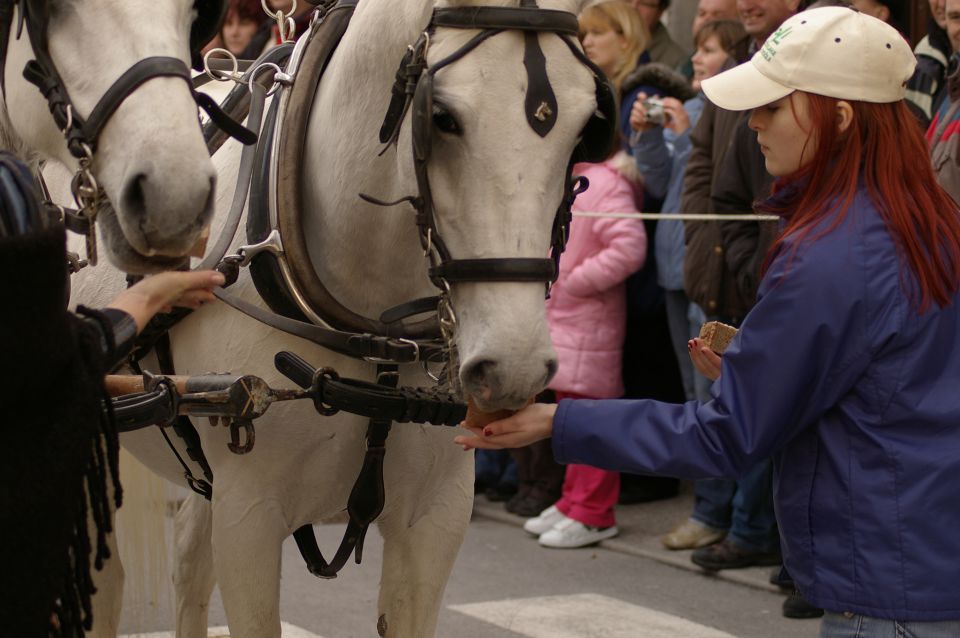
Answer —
(501, 269)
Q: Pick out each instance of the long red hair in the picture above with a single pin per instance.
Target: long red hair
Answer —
(885, 147)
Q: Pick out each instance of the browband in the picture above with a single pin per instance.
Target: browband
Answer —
(507, 18)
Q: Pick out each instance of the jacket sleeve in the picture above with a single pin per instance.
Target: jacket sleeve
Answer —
(699, 175)
(783, 371)
(623, 251)
(742, 179)
(654, 161)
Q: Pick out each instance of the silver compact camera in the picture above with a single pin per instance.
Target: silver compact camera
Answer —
(655, 113)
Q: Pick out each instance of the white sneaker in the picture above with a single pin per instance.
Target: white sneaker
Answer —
(545, 521)
(569, 533)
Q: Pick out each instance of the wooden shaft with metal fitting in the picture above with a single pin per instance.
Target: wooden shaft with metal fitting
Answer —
(121, 384)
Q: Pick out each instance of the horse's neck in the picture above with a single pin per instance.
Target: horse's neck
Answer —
(351, 241)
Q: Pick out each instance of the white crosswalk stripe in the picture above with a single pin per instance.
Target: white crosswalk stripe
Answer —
(286, 631)
(584, 616)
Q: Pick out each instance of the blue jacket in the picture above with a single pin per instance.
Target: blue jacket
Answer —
(857, 397)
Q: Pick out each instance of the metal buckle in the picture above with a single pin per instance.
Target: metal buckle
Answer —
(396, 340)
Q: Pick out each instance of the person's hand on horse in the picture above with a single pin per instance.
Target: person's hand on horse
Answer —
(705, 360)
(677, 119)
(163, 291)
(529, 425)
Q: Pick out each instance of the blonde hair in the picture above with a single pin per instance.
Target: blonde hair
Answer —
(623, 18)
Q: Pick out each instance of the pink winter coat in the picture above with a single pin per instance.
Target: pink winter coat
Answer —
(587, 309)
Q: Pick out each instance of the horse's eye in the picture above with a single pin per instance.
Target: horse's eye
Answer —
(444, 120)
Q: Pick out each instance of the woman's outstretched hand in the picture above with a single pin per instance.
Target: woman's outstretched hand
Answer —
(705, 360)
(529, 425)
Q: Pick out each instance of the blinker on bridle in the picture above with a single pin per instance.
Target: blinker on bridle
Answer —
(82, 134)
(413, 90)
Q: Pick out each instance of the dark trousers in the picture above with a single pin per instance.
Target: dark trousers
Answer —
(539, 476)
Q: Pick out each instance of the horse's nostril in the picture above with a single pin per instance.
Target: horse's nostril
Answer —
(552, 366)
(478, 372)
(134, 198)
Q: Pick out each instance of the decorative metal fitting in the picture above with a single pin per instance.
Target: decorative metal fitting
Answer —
(233, 75)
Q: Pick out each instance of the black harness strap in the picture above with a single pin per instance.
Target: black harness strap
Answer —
(361, 346)
(183, 428)
(366, 498)
(523, 18)
(497, 269)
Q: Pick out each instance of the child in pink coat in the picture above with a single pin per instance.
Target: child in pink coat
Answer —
(587, 315)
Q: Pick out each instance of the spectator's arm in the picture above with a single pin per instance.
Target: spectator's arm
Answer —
(654, 160)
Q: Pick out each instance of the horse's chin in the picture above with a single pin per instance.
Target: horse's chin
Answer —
(124, 256)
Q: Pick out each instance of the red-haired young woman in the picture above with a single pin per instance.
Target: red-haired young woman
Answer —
(846, 369)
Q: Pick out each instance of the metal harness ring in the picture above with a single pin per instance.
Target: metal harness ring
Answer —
(222, 76)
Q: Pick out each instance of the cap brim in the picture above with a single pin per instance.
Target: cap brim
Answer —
(743, 88)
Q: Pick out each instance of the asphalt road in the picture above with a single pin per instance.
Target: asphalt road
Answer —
(504, 585)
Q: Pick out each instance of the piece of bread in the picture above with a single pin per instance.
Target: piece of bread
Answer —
(477, 419)
(717, 336)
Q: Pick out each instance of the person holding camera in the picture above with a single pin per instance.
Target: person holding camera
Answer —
(845, 369)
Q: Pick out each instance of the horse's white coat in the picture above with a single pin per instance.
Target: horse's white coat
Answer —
(497, 188)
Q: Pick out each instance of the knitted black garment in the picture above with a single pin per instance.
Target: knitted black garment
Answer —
(58, 448)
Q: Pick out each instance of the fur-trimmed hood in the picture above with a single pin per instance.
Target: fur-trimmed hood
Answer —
(670, 83)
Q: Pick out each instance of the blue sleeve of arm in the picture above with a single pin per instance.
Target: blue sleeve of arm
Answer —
(654, 161)
(798, 352)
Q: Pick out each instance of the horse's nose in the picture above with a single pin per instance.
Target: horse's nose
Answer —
(164, 220)
(495, 386)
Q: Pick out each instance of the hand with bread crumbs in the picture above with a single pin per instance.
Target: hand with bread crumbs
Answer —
(705, 360)
(529, 425)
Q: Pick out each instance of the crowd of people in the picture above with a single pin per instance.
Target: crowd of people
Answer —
(837, 398)
(685, 149)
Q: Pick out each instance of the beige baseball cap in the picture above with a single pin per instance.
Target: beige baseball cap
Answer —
(832, 51)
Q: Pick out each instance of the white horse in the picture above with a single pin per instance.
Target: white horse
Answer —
(497, 186)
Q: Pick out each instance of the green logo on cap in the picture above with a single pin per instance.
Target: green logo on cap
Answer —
(770, 46)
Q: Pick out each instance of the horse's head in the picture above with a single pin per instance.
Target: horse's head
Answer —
(150, 157)
(497, 185)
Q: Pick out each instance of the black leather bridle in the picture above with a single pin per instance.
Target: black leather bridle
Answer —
(82, 133)
(414, 86)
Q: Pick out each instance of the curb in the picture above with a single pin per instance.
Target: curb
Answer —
(681, 560)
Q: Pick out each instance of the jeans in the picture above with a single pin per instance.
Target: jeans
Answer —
(743, 506)
(848, 625)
